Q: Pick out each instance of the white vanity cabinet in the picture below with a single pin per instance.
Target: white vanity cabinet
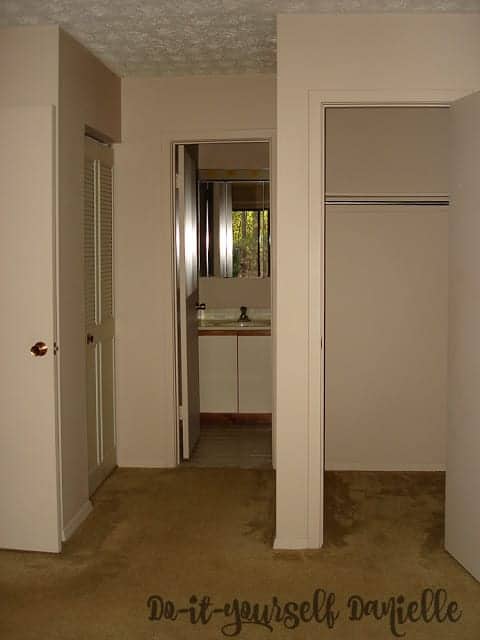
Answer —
(218, 374)
(254, 374)
(235, 373)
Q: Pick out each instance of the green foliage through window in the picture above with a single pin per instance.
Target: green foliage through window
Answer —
(251, 243)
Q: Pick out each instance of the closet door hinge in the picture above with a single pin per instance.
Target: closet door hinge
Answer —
(177, 181)
(180, 412)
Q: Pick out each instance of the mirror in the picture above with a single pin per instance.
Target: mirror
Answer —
(234, 228)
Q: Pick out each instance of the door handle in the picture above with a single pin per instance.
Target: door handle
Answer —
(90, 338)
(39, 349)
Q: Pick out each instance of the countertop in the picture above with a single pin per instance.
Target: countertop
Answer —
(234, 327)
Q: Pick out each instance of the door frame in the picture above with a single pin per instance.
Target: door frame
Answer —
(218, 137)
(318, 102)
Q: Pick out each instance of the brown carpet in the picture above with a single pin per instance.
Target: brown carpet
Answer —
(178, 533)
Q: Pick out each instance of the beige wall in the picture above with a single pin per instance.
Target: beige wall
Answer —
(89, 94)
(386, 337)
(403, 55)
(235, 292)
(387, 151)
(29, 66)
(242, 155)
(155, 111)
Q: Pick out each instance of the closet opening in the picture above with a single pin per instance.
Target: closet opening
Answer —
(386, 306)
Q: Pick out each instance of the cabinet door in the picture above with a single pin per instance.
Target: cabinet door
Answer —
(218, 374)
(255, 374)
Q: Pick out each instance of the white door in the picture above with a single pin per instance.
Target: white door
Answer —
(29, 476)
(462, 516)
(187, 274)
(99, 311)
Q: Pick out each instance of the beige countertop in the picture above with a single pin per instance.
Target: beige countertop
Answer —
(233, 327)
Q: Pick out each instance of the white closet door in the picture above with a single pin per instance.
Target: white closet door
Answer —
(99, 312)
(462, 521)
(29, 465)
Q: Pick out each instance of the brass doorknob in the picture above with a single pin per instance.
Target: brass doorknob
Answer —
(39, 349)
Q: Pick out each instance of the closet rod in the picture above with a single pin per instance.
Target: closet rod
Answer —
(410, 203)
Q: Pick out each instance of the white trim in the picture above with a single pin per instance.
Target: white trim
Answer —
(318, 101)
(81, 515)
(280, 544)
(316, 329)
(355, 466)
(56, 322)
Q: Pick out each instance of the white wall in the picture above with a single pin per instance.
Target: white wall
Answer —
(155, 111)
(399, 55)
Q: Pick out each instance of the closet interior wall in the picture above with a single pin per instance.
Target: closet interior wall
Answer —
(386, 288)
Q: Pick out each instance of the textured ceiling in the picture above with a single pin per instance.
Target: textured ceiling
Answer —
(185, 37)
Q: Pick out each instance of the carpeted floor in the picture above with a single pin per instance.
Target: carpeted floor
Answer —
(208, 532)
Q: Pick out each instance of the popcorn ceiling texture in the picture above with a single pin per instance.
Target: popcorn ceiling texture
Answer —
(186, 37)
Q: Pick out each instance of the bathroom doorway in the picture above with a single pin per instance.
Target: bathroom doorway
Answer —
(223, 264)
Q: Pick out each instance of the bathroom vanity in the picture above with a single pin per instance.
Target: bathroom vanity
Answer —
(235, 371)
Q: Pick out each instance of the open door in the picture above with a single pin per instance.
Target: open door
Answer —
(29, 475)
(187, 292)
(462, 515)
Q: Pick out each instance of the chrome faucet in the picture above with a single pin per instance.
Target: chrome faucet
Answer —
(243, 315)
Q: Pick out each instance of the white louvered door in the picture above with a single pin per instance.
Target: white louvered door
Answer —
(99, 311)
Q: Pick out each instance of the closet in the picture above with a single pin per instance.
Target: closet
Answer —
(386, 288)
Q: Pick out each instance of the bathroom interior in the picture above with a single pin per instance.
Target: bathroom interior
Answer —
(225, 355)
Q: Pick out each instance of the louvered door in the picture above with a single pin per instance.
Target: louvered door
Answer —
(99, 311)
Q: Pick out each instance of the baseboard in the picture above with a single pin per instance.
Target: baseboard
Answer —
(207, 419)
(342, 466)
(300, 544)
(70, 528)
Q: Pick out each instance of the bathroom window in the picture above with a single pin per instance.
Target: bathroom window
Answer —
(251, 243)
